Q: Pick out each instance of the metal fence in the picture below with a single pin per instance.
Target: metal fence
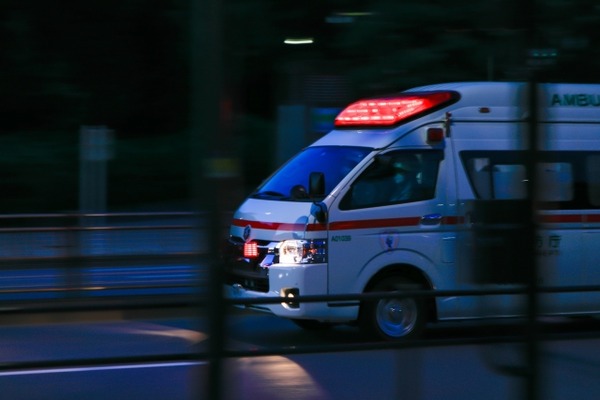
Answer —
(140, 261)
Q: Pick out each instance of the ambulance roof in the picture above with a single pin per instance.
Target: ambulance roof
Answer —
(484, 101)
(567, 102)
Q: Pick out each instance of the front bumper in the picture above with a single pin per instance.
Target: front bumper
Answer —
(301, 280)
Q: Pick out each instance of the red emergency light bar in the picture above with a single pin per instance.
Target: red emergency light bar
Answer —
(392, 110)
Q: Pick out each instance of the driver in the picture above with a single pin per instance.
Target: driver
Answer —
(404, 184)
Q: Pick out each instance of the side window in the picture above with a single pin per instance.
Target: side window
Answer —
(566, 180)
(493, 179)
(509, 181)
(394, 178)
(555, 181)
(592, 164)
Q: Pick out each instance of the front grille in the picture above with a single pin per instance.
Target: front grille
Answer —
(245, 271)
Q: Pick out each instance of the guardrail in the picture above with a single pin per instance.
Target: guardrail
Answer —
(69, 235)
(99, 256)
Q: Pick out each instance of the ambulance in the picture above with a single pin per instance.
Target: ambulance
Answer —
(390, 202)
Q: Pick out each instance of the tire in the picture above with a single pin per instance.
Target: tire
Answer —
(312, 324)
(393, 319)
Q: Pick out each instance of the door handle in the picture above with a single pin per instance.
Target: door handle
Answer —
(431, 219)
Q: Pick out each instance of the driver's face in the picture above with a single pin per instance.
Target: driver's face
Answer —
(400, 176)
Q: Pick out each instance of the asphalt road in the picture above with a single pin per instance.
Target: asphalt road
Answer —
(568, 368)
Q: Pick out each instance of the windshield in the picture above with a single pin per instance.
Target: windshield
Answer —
(291, 182)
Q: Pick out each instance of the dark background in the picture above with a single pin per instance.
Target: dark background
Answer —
(126, 64)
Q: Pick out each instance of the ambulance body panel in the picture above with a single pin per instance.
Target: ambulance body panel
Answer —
(336, 232)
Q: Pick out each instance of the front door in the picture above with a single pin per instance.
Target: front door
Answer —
(392, 213)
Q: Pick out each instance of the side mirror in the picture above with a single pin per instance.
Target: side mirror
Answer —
(319, 211)
(316, 184)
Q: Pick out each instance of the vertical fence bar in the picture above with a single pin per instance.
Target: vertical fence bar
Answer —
(205, 127)
(532, 293)
(532, 347)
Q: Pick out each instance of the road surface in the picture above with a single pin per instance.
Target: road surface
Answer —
(569, 368)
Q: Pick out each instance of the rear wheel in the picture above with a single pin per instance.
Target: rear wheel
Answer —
(395, 318)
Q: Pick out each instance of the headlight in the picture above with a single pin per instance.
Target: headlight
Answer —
(302, 251)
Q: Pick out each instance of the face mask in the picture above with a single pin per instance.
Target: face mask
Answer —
(399, 178)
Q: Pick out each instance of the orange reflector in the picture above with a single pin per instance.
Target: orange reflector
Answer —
(435, 135)
(250, 250)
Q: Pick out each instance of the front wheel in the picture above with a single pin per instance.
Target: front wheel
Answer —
(396, 318)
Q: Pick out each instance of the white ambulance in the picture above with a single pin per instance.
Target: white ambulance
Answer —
(387, 202)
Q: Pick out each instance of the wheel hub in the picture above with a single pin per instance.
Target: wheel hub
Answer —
(396, 317)
(395, 312)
